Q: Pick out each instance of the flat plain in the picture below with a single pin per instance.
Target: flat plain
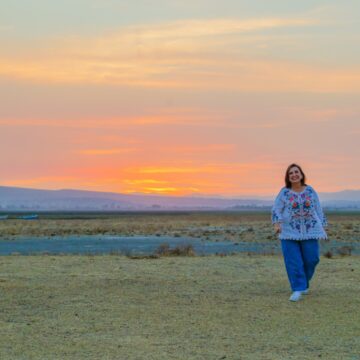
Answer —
(212, 226)
(194, 307)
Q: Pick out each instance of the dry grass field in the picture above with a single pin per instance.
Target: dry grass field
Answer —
(233, 307)
(222, 226)
(206, 308)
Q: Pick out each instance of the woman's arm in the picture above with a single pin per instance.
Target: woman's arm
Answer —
(277, 211)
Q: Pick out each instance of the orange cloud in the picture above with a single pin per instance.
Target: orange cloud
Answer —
(202, 149)
(171, 118)
(144, 181)
(194, 54)
(230, 168)
(40, 181)
(166, 190)
(229, 179)
(175, 170)
(217, 178)
(106, 151)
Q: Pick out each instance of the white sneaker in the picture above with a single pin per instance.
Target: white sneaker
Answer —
(305, 292)
(295, 296)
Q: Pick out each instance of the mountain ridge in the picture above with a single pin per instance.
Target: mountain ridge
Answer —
(16, 198)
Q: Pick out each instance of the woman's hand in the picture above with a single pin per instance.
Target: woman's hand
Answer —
(277, 228)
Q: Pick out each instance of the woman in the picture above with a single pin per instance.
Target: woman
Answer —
(299, 220)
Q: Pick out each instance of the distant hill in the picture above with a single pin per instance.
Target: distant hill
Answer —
(345, 195)
(30, 199)
(346, 199)
(21, 199)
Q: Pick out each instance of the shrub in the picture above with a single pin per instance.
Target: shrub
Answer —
(328, 254)
(345, 250)
(180, 250)
(163, 249)
(142, 257)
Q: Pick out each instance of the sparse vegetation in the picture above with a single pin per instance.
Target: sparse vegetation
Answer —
(231, 307)
(172, 304)
(220, 226)
(180, 250)
(345, 250)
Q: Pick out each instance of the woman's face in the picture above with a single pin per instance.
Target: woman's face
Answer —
(295, 175)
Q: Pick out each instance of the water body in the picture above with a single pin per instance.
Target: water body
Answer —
(142, 245)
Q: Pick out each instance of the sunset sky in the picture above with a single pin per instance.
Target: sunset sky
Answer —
(178, 97)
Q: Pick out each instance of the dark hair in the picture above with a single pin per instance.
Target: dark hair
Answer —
(287, 181)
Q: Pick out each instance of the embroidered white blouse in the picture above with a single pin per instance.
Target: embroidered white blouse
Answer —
(300, 215)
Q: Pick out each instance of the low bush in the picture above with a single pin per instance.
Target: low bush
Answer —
(180, 250)
(345, 250)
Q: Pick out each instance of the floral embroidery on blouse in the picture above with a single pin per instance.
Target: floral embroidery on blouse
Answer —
(300, 214)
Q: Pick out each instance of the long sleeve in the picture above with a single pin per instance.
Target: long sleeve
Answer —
(319, 210)
(277, 209)
(300, 215)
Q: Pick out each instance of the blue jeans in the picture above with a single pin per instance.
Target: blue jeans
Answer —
(301, 258)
